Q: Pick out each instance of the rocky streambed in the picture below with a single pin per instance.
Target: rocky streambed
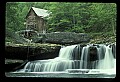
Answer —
(45, 47)
(17, 54)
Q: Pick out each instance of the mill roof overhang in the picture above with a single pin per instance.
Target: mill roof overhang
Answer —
(39, 12)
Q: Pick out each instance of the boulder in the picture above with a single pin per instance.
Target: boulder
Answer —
(64, 38)
(12, 61)
(13, 64)
(33, 51)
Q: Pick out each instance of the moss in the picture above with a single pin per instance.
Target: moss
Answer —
(10, 61)
(100, 38)
(31, 45)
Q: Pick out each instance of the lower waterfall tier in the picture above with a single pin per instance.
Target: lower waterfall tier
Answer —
(75, 57)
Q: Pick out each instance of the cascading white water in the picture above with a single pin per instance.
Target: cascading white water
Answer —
(109, 61)
(101, 49)
(84, 56)
(60, 63)
(75, 57)
(66, 52)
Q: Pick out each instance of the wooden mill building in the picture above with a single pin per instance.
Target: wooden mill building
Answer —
(35, 20)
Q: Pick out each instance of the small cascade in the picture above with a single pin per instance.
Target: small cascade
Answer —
(84, 57)
(109, 61)
(76, 57)
(60, 63)
(66, 52)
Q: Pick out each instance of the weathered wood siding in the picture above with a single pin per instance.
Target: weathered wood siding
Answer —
(40, 24)
(34, 22)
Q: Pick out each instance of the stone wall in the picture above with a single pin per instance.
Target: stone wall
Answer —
(63, 38)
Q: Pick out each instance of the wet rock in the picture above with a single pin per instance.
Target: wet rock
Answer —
(93, 54)
(12, 64)
(31, 51)
(11, 61)
(16, 52)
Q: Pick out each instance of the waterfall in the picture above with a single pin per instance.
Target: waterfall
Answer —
(84, 56)
(66, 52)
(108, 62)
(76, 57)
(60, 63)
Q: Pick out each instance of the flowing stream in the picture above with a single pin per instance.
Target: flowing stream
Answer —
(77, 59)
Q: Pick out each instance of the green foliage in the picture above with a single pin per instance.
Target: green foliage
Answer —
(102, 17)
(66, 16)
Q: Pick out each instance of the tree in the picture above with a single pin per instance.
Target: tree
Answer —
(66, 16)
(11, 15)
(102, 15)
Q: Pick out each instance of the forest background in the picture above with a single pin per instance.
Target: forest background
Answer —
(98, 20)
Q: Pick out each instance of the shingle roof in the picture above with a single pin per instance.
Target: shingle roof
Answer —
(41, 12)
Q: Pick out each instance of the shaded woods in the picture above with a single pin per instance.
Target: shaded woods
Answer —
(65, 17)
